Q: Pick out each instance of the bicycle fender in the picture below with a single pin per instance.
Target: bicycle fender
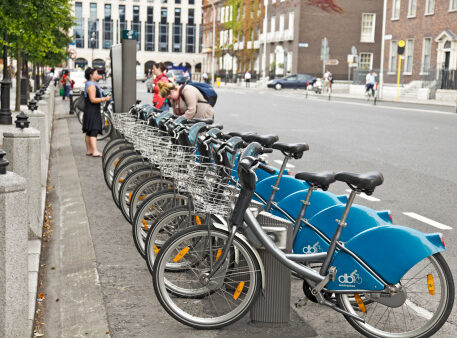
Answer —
(392, 250)
(287, 186)
(243, 238)
(319, 201)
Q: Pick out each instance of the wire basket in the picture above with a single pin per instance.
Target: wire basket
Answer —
(156, 147)
(177, 163)
(212, 189)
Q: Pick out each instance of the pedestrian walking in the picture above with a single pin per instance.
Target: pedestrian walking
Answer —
(247, 78)
(205, 77)
(186, 100)
(159, 70)
(92, 120)
(66, 83)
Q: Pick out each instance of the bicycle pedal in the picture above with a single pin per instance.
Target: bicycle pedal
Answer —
(301, 302)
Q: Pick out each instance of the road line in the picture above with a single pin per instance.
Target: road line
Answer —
(367, 197)
(428, 221)
(287, 165)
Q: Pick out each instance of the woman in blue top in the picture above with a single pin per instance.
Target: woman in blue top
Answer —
(92, 120)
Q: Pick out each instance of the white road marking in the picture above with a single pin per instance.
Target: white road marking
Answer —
(428, 221)
(288, 165)
(420, 311)
(367, 197)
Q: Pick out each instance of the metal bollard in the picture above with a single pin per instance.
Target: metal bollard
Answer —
(273, 303)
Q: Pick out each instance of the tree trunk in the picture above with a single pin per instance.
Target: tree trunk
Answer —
(18, 80)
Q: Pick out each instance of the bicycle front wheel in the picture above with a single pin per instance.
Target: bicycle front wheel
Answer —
(224, 298)
(429, 291)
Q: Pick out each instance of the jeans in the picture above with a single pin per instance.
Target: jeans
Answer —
(66, 92)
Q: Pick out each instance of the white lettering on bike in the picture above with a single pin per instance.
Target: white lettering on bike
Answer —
(350, 280)
(312, 249)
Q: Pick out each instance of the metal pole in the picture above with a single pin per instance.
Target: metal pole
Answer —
(214, 42)
(265, 29)
(381, 70)
(398, 76)
(5, 112)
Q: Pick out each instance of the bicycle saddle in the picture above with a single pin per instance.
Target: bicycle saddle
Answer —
(320, 180)
(240, 134)
(364, 182)
(264, 140)
(207, 121)
(294, 150)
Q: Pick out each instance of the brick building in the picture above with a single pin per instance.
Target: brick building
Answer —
(429, 28)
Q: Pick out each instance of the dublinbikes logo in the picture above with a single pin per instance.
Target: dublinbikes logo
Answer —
(312, 249)
(350, 280)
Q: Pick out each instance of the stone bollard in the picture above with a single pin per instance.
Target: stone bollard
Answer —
(43, 107)
(38, 121)
(23, 146)
(13, 254)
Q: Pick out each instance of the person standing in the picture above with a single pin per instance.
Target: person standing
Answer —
(159, 70)
(205, 77)
(66, 83)
(247, 78)
(370, 82)
(92, 120)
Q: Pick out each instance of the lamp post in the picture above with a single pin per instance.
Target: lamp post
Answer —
(5, 112)
(265, 29)
(381, 68)
(92, 43)
(214, 41)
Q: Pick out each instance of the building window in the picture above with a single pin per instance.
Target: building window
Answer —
(409, 56)
(178, 2)
(426, 51)
(136, 25)
(412, 7)
(368, 27)
(93, 26)
(200, 39)
(191, 2)
(190, 38)
(273, 24)
(281, 22)
(429, 7)
(150, 30)
(366, 61)
(395, 9)
(122, 21)
(107, 28)
(453, 5)
(177, 32)
(79, 27)
(190, 16)
(393, 57)
(163, 1)
(163, 31)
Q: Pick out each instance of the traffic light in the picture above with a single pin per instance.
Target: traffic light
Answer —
(401, 47)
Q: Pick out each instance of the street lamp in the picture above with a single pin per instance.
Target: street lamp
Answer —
(5, 112)
(214, 41)
(92, 43)
(265, 29)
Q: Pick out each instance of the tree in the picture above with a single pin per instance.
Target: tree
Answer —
(39, 28)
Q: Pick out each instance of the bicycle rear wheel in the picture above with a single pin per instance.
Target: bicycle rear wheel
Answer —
(429, 291)
(107, 127)
(224, 298)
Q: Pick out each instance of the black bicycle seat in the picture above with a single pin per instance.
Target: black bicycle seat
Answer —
(295, 150)
(240, 134)
(264, 140)
(364, 182)
(138, 101)
(320, 180)
(207, 121)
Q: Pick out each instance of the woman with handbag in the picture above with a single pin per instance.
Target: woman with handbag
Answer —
(92, 121)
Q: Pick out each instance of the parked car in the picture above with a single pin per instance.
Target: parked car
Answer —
(149, 85)
(176, 76)
(78, 77)
(291, 81)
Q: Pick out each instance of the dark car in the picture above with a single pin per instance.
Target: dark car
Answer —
(291, 81)
(176, 76)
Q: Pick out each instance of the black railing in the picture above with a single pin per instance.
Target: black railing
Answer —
(447, 79)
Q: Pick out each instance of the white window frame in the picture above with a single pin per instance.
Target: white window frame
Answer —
(423, 56)
(427, 4)
(370, 66)
(409, 48)
(281, 22)
(273, 24)
(393, 50)
(396, 16)
(410, 14)
(452, 5)
(371, 40)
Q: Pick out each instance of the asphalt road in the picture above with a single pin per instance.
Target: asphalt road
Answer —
(413, 146)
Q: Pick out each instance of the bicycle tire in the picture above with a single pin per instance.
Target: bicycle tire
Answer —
(107, 128)
(121, 175)
(169, 223)
(113, 143)
(156, 204)
(144, 190)
(436, 321)
(243, 300)
(127, 158)
(126, 191)
(113, 150)
(111, 164)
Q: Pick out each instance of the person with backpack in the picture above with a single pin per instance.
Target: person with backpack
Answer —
(193, 100)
